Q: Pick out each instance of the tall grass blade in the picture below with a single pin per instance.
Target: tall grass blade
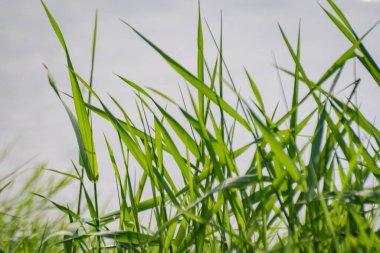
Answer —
(88, 158)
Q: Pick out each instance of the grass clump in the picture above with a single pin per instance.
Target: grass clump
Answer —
(284, 188)
(26, 220)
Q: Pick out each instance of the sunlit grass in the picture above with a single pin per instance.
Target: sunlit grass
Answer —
(250, 179)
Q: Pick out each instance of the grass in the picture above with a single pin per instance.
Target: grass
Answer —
(293, 184)
(25, 221)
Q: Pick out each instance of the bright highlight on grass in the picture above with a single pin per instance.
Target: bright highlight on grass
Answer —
(295, 191)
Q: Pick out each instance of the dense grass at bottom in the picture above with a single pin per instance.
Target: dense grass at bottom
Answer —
(295, 182)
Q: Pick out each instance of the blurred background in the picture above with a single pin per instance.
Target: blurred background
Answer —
(33, 123)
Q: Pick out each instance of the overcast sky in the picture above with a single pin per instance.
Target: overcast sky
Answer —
(32, 118)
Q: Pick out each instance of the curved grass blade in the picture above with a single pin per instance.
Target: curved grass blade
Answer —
(88, 158)
(199, 85)
(75, 124)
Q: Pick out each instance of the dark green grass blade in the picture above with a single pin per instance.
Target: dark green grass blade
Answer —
(65, 210)
(5, 186)
(344, 26)
(358, 117)
(315, 154)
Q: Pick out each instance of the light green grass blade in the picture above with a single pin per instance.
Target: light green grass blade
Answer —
(278, 150)
(174, 152)
(89, 158)
(181, 133)
(93, 55)
(199, 85)
(133, 147)
(124, 212)
(294, 116)
(127, 237)
(75, 124)
(255, 90)
(200, 59)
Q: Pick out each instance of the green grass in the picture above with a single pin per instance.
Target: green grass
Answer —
(25, 220)
(293, 184)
